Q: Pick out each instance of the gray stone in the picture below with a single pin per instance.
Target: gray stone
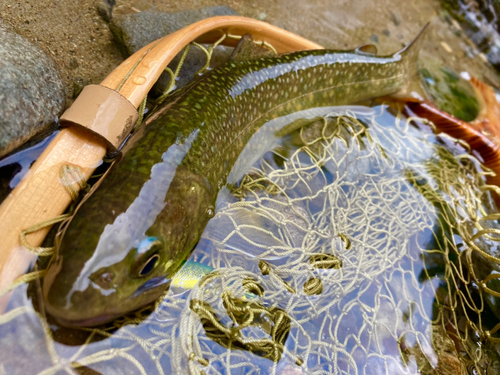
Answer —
(134, 31)
(31, 90)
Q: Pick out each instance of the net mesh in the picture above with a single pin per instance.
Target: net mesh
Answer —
(364, 244)
(412, 211)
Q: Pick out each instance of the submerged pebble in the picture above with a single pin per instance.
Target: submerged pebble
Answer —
(480, 21)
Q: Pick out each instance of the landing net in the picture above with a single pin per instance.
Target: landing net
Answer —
(363, 244)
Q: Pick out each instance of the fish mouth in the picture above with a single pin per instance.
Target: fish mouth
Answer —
(156, 284)
(91, 322)
(153, 284)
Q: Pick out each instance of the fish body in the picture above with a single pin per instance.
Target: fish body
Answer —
(127, 240)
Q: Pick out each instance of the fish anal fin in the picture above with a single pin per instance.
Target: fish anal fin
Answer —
(247, 49)
(367, 49)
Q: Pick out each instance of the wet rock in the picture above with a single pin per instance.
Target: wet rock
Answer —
(134, 31)
(481, 22)
(105, 9)
(31, 91)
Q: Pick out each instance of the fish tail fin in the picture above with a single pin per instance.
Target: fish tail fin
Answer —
(409, 56)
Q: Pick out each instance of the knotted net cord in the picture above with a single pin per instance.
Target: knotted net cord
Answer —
(400, 205)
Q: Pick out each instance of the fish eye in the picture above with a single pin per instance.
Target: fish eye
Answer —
(147, 257)
(149, 266)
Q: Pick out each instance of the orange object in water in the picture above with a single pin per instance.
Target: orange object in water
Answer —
(482, 134)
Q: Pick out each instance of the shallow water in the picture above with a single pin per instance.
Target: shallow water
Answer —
(393, 202)
(479, 19)
(14, 167)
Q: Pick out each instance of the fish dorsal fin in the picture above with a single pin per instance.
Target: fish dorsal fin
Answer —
(367, 49)
(247, 49)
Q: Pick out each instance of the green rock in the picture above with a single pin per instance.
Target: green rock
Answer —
(448, 90)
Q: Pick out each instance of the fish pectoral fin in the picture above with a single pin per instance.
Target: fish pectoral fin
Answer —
(247, 49)
(367, 49)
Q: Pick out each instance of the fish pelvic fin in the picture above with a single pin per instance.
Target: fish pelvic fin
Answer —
(409, 56)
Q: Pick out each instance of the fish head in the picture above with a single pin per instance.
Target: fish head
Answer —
(107, 287)
(97, 278)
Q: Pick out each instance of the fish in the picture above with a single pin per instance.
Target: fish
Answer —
(126, 241)
(188, 276)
